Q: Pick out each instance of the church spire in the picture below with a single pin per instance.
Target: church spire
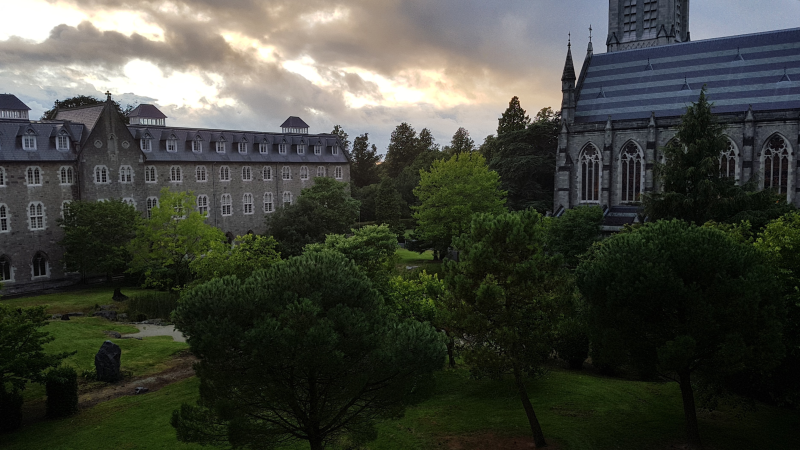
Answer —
(569, 66)
(568, 87)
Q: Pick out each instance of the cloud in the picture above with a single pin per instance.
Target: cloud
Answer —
(365, 64)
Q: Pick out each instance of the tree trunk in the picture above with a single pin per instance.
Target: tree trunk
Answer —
(536, 429)
(451, 344)
(689, 410)
(316, 444)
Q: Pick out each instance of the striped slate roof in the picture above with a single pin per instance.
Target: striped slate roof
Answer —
(762, 70)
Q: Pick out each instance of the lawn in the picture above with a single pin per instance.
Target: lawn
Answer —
(576, 410)
(82, 300)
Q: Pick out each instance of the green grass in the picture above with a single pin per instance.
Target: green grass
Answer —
(407, 257)
(576, 410)
(72, 301)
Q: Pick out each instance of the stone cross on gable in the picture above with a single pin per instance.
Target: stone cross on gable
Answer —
(108, 96)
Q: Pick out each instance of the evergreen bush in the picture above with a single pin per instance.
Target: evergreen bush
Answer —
(154, 305)
(62, 392)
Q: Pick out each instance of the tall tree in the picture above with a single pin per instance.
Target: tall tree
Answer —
(689, 303)
(166, 244)
(96, 235)
(322, 209)
(403, 148)
(247, 254)
(307, 351)
(507, 293)
(451, 193)
(343, 136)
(513, 119)
(364, 169)
(525, 160)
(460, 143)
(84, 100)
(389, 206)
(694, 188)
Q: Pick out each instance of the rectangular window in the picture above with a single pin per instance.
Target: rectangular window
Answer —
(200, 173)
(36, 215)
(317, 149)
(268, 205)
(172, 145)
(243, 147)
(227, 205)
(262, 148)
(175, 174)
(282, 148)
(3, 218)
(66, 175)
(220, 146)
(29, 142)
(33, 176)
(247, 174)
(202, 204)
(145, 144)
(301, 149)
(335, 150)
(248, 203)
(62, 142)
(337, 172)
(224, 173)
(286, 173)
(197, 146)
(150, 174)
(152, 202)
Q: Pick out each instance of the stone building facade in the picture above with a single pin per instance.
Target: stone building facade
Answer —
(625, 105)
(89, 153)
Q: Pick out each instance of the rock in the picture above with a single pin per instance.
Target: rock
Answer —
(412, 267)
(56, 317)
(140, 390)
(119, 296)
(113, 334)
(75, 314)
(107, 361)
(110, 315)
(65, 317)
(108, 307)
(122, 316)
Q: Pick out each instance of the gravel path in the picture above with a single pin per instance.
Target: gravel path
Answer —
(147, 330)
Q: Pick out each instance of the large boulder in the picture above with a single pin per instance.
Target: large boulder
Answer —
(110, 315)
(106, 362)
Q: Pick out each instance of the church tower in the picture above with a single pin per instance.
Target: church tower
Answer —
(646, 23)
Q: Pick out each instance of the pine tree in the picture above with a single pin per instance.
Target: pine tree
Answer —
(403, 148)
(514, 119)
(364, 170)
(343, 136)
(461, 143)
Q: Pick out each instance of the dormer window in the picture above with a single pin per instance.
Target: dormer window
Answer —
(317, 149)
(145, 144)
(335, 150)
(221, 146)
(262, 148)
(301, 149)
(197, 145)
(29, 141)
(283, 148)
(62, 142)
(172, 144)
(242, 147)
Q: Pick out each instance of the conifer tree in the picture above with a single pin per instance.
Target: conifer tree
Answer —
(460, 143)
(343, 136)
(514, 118)
(364, 170)
(403, 148)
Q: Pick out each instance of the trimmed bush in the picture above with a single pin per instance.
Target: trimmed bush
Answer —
(10, 410)
(62, 392)
(152, 304)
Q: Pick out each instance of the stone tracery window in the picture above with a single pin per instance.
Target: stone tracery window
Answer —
(39, 265)
(776, 165)
(268, 205)
(590, 162)
(728, 161)
(5, 268)
(650, 15)
(4, 222)
(632, 173)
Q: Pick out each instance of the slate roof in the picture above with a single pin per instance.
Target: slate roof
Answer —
(148, 111)
(209, 138)
(45, 132)
(11, 102)
(86, 115)
(762, 70)
(294, 122)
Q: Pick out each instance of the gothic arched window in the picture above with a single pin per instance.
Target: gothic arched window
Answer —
(776, 165)
(39, 265)
(590, 162)
(5, 268)
(728, 160)
(632, 173)
(629, 19)
(268, 205)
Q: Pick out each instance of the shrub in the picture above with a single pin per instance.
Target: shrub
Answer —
(10, 410)
(62, 392)
(151, 305)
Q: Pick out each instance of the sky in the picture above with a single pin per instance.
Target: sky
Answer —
(367, 65)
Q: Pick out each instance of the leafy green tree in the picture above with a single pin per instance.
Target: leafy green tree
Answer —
(410, 176)
(364, 170)
(574, 232)
(306, 351)
(325, 208)
(166, 244)
(513, 119)
(367, 196)
(403, 149)
(451, 193)
(22, 358)
(389, 206)
(373, 248)
(694, 188)
(96, 235)
(248, 254)
(344, 138)
(525, 161)
(686, 302)
(460, 143)
(507, 294)
(85, 100)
